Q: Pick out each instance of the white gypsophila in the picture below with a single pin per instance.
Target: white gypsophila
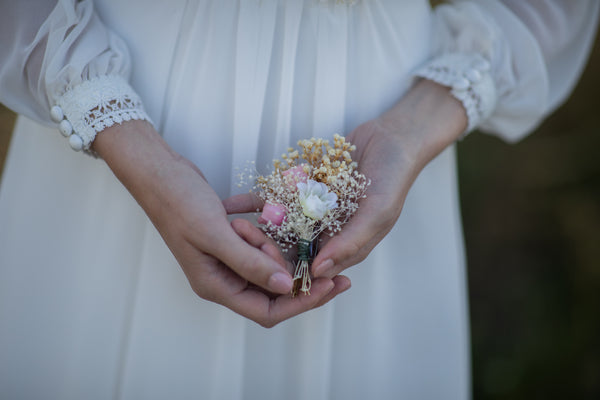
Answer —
(316, 199)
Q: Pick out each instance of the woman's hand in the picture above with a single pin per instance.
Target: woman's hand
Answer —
(391, 151)
(235, 266)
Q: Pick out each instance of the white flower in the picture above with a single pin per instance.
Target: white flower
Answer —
(316, 199)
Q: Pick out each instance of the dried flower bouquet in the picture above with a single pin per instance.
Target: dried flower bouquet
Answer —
(311, 191)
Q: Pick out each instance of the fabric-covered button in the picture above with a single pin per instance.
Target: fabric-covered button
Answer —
(65, 128)
(56, 114)
(472, 75)
(461, 84)
(76, 142)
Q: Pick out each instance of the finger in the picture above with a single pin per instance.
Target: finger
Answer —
(330, 269)
(211, 279)
(243, 203)
(256, 238)
(337, 269)
(342, 283)
(269, 312)
(248, 260)
(350, 242)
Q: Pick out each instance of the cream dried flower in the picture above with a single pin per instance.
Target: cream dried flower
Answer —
(316, 199)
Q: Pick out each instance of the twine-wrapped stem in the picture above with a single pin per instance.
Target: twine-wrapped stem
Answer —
(302, 274)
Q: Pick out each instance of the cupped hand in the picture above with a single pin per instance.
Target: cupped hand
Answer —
(229, 264)
(382, 158)
(391, 151)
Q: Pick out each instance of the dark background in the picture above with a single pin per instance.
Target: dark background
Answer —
(531, 217)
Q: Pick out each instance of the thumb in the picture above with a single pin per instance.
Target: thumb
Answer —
(249, 253)
(351, 245)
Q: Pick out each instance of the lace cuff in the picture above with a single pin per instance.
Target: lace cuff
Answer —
(468, 75)
(94, 105)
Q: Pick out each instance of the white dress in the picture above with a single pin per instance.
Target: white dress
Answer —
(92, 303)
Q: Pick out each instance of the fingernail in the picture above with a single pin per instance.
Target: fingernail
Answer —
(330, 286)
(280, 282)
(320, 269)
(346, 288)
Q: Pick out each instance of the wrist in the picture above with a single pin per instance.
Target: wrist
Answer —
(427, 120)
(139, 158)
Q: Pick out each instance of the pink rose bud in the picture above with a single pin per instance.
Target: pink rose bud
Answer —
(294, 176)
(274, 213)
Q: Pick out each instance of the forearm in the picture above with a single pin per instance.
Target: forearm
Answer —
(427, 120)
(391, 151)
(141, 160)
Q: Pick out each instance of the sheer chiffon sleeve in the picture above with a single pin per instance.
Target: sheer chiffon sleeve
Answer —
(536, 51)
(61, 55)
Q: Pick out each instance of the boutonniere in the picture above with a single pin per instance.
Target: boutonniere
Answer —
(311, 191)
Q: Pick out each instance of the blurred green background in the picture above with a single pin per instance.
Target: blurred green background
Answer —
(531, 217)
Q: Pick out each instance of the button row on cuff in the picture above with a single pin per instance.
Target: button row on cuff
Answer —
(470, 80)
(471, 75)
(65, 128)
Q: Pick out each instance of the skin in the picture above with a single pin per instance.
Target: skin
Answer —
(235, 264)
(231, 264)
(391, 150)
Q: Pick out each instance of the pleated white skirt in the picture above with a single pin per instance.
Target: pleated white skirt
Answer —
(92, 303)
